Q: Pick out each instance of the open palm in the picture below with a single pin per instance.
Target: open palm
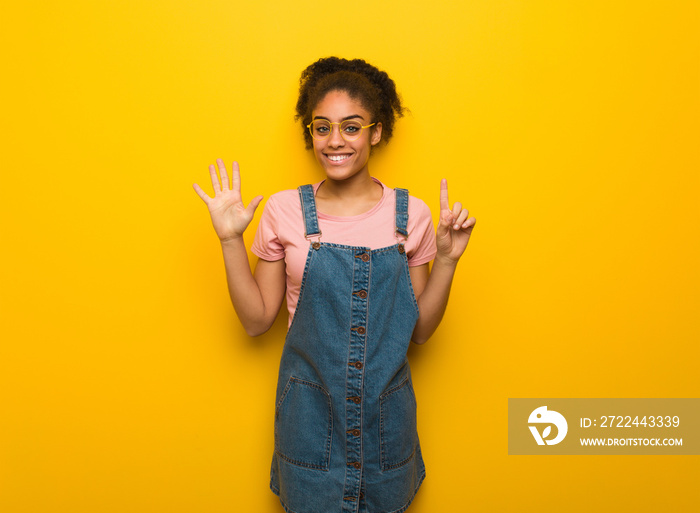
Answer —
(229, 215)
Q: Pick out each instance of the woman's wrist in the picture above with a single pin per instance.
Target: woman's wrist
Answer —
(445, 262)
(231, 241)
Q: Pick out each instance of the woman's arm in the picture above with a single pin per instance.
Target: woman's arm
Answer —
(256, 298)
(432, 288)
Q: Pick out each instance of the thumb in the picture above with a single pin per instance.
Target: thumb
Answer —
(253, 205)
(445, 222)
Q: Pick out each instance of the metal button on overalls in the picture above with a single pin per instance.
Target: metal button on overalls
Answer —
(345, 416)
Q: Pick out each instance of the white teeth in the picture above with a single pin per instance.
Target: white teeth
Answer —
(338, 158)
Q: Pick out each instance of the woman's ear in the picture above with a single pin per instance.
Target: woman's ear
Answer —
(376, 134)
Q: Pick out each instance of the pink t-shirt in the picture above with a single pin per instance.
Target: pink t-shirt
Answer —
(281, 233)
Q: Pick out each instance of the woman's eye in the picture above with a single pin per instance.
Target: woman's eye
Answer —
(351, 129)
(321, 129)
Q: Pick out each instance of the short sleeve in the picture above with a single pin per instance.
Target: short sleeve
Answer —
(266, 244)
(421, 236)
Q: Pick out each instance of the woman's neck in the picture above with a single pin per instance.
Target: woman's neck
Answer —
(350, 197)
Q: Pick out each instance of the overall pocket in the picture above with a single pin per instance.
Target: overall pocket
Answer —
(397, 425)
(303, 424)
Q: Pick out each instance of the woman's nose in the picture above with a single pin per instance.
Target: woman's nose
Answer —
(336, 138)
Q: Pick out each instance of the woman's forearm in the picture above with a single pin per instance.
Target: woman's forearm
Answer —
(246, 296)
(433, 299)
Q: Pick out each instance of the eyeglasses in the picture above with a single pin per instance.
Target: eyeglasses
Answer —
(350, 129)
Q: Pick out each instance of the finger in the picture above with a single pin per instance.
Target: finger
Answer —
(443, 227)
(456, 210)
(236, 177)
(461, 218)
(214, 179)
(446, 219)
(224, 174)
(444, 201)
(205, 197)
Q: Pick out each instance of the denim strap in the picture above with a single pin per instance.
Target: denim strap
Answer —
(308, 207)
(401, 211)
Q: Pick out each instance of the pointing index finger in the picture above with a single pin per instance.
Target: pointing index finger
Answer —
(444, 201)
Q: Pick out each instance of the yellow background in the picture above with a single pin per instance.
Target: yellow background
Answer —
(569, 129)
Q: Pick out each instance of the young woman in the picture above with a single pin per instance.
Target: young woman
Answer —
(353, 257)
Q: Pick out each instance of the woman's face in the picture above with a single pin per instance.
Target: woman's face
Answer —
(339, 158)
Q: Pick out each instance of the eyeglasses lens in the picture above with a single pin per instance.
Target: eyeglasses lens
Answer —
(349, 129)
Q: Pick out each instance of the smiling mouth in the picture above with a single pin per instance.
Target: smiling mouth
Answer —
(338, 158)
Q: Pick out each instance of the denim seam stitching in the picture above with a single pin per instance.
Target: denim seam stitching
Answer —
(410, 284)
(329, 437)
(308, 210)
(309, 256)
(403, 213)
(405, 506)
(384, 465)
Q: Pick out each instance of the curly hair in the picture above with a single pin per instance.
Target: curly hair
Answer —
(360, 80)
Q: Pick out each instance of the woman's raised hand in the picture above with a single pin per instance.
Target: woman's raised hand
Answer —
(228, 214)
(454, 228)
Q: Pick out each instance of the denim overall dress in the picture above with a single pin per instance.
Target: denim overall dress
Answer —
(345, 415)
